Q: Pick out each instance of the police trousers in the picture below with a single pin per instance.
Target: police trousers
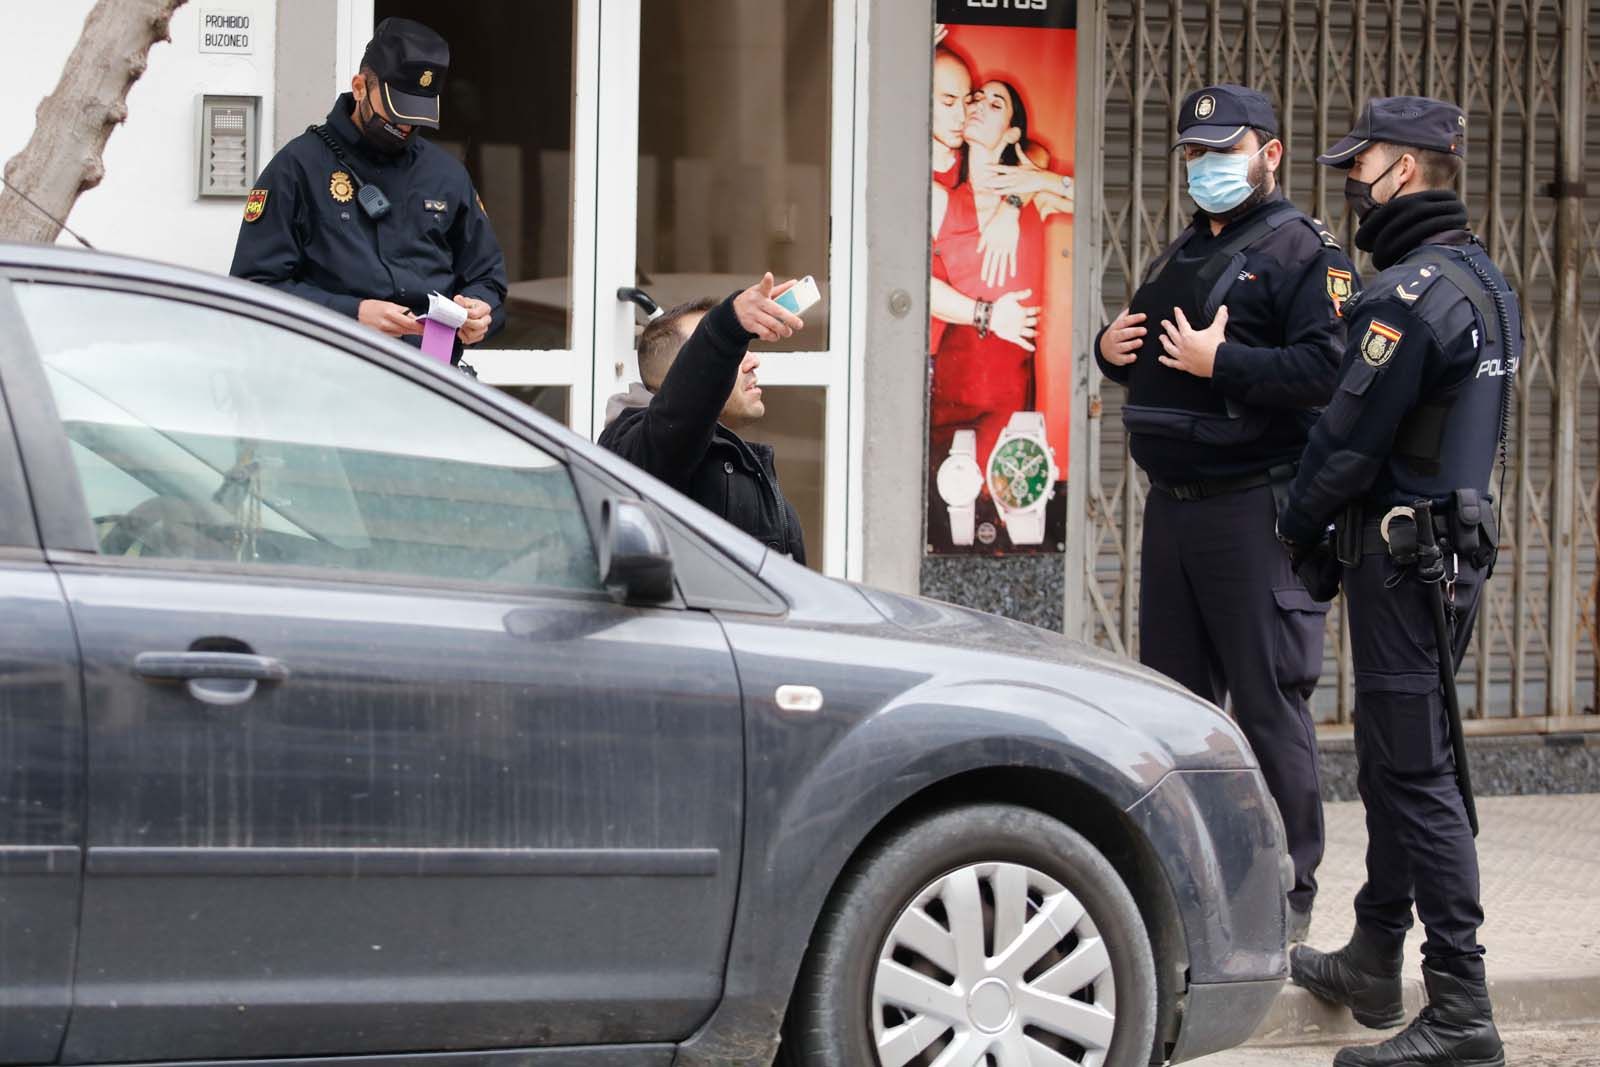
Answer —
(1420, 850)
(1222, 613)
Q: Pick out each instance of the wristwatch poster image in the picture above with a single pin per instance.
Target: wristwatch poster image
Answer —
(1001, 278)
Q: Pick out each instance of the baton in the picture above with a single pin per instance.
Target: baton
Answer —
(1430, 571)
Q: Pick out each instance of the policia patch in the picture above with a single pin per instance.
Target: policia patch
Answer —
(255, 204)
(1379, 343)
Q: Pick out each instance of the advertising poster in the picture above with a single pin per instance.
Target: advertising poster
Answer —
(1000, 291)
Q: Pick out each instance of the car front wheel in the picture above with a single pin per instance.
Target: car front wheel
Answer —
(985, 936)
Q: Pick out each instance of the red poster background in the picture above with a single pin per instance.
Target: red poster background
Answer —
(1043, 66)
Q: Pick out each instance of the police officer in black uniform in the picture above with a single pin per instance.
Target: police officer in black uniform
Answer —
(1228, 347)
(362, 216)
(1420, 411)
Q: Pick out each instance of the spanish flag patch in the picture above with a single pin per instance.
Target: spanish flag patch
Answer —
(1340, 283)
(1379, 343)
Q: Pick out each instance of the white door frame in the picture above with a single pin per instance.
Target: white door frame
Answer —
(615, 236)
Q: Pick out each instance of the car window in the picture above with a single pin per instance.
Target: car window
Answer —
(204, 435)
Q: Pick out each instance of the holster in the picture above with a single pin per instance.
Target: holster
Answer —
(1404, 540)
(1347, 534)
(1474, 533)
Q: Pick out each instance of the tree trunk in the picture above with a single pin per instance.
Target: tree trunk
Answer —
(64, 155)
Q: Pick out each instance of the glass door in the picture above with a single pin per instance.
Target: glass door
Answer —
(680, 146)
(518, 112)
(738, 166)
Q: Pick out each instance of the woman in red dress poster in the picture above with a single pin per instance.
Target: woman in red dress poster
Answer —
(983, 368)
(1000, 339)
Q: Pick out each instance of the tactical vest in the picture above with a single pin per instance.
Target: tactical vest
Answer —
(1449, 440)
(1163, 402)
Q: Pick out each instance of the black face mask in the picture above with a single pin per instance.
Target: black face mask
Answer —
(1359, 194)
(379, 133)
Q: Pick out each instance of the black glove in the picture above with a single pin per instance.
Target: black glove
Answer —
(1317, 567)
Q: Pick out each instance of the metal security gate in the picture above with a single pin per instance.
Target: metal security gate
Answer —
(1528, 75)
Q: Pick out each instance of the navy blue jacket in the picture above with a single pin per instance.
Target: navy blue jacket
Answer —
(312, 239)
(1276, 368)
(1419, 405)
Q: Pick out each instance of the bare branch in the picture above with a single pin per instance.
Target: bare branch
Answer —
(65, 155)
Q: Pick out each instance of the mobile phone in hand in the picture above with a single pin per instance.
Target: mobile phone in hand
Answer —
(800, 296)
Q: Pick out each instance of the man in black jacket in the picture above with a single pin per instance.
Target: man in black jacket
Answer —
(700, 383)
(1228, 347)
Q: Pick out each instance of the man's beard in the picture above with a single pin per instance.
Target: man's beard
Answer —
(1264, 187)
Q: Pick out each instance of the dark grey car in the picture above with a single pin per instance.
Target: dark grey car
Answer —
(349, 708)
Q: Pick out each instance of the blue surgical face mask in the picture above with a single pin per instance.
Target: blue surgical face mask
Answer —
(1220, 181)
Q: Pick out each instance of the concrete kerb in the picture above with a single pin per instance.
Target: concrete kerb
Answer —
(1298, 1018)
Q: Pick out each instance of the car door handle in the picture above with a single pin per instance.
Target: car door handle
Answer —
(197, 666)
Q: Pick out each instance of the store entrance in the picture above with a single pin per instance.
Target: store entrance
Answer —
(683, 146)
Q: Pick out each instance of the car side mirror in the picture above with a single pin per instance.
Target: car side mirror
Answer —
(635, 555)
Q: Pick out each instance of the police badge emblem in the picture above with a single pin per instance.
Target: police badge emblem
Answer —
(1203, 107)
(426, 79)
(255, 204)
(341, 188)
(1379, 343)
(1340, 283)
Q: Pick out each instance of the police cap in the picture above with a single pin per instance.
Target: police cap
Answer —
(1219, 115)
(410, 61)
(1413, 121)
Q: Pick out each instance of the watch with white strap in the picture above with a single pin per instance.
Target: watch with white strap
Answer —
(1022, 476)
(960, 479)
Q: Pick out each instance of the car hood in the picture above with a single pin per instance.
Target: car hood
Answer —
(1194, 731)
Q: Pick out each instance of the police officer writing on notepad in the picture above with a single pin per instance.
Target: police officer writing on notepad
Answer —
(1402, 458)
(363, 216)
(1227, 347)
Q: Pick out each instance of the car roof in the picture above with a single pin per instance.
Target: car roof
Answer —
(17, 260)
(20, 258)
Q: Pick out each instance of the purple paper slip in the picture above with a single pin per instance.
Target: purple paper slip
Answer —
(439, 327)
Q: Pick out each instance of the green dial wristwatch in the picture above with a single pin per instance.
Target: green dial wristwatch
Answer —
(1022, 476)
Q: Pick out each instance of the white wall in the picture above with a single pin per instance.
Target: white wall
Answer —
(147, 206)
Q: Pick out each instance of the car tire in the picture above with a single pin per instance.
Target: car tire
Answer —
(859, 960)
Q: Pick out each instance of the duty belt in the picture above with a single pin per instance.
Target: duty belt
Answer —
(1191, 491)
(1465, 523)
(1374, 541)
(1468, 528)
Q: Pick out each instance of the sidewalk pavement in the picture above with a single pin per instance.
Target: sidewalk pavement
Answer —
(1540, 864)
(1565, 1046)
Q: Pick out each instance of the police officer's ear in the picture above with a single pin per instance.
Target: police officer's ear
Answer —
(358, 87)
(1272, 154)
(1407, 174)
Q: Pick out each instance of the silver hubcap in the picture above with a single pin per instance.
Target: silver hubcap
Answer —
(993, 965)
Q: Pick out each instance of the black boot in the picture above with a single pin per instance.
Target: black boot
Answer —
(1364, 976)
(1456, 1029)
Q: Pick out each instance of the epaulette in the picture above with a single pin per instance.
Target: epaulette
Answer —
(1324, 234)
(1406, 282)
